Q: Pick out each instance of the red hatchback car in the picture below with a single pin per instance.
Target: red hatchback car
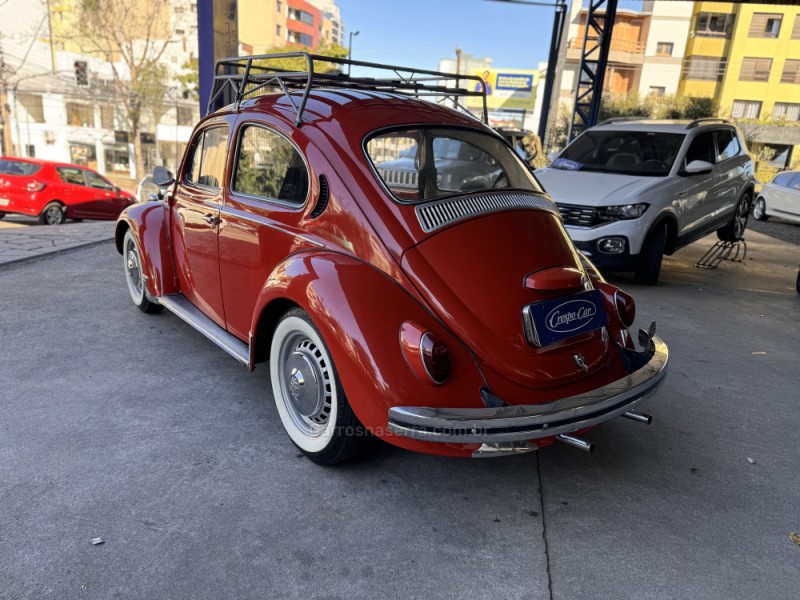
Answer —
(54, 191)
(394, 292)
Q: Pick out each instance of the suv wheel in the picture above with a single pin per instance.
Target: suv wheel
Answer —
(650, 257)
(734, 231)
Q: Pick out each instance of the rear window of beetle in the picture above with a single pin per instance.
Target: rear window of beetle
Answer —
(18, 167)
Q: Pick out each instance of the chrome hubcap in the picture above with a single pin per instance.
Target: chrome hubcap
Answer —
(306, 383)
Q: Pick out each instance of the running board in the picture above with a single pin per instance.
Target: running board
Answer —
(188, 312)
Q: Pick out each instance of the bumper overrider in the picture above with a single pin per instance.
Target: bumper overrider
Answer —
(533, 421)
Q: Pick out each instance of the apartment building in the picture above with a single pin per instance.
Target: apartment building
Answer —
(275, 23)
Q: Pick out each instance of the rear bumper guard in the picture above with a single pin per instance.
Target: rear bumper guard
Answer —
(533, 421)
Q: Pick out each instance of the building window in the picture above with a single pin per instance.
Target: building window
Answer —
(784, 111)
(33, 106)
(705, 68)
(714, 24)
(664, 49)
(278, 5)
(277, 29)
(796, 28)
(657, 91)
(300, 38)
(791, 71)
(746, 109)
(79, 115)
(106, 116)
(301, 15)
(765, 25)
(185, 116)
(755, 69)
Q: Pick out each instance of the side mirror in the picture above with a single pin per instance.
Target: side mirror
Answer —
(162, 177)
(698, 167)
(552, 156)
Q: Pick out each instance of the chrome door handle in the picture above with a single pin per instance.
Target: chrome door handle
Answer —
(211, 219)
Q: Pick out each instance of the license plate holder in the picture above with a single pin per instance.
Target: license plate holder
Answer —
(554, 320)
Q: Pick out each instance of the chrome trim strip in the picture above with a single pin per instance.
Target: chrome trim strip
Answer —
(534, 421)
(440, 213)
(181, 307)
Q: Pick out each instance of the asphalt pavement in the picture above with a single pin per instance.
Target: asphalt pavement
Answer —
(134, 429)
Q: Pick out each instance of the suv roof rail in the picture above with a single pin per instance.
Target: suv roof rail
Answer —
(236, 78)
(698, 122)
(619, 120)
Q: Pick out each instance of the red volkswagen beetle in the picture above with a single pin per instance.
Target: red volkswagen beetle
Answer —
(54, 191)
(394, 261)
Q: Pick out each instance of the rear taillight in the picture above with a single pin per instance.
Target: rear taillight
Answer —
(626, 307)
(425, 353)
(35, 186)
(435, 357)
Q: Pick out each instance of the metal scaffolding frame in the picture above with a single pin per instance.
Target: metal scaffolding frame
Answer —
(592, 69)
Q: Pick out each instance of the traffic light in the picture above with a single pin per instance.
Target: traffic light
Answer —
(81, 72)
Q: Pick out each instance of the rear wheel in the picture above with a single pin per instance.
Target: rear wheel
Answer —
(308, 393)
(134, 276)
(760, 210)
(734, 231)
(53, 214)
(650, 257)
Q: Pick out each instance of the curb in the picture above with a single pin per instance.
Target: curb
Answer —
(50, 253)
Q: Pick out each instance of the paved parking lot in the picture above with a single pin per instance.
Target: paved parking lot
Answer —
(133, 428)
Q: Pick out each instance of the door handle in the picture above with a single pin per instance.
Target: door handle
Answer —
(211, 219)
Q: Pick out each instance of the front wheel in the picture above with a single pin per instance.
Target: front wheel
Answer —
(134, 276)
(308, 393)
(734, 231)
(651, 255)
(760, 210)
(53, 214)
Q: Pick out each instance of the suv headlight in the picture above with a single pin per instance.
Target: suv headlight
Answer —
(623, 211)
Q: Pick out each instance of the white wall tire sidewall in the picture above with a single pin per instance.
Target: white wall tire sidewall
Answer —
(307, 443)
(137, 297)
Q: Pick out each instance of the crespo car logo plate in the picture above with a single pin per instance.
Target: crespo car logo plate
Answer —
(553, 320)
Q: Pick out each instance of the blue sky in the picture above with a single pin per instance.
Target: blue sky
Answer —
(418, 33)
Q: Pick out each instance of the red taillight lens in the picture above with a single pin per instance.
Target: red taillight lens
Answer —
(626, 307)
(35, 186)
(435, 357)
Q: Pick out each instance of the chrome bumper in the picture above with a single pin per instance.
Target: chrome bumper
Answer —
(533, 421)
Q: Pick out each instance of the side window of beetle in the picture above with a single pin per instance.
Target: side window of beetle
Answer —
(207, 164)
(269, 166)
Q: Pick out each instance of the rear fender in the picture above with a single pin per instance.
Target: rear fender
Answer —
(359, 312)
(149, 225)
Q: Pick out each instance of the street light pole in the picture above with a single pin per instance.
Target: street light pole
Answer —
(350, 48)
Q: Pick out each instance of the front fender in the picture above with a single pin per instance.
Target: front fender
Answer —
(359, 311)
(150, 226)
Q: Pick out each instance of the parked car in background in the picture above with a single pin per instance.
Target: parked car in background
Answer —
(443, 311)
(631, 191)
(54, 192)
(779, 198)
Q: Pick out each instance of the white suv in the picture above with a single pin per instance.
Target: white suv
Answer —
(631, 191)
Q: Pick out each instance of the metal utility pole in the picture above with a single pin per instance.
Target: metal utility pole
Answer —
(552, 63)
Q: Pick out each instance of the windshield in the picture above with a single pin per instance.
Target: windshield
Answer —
(627, 152)
(427, 162)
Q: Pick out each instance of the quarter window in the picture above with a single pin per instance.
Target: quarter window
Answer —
(207, 165)
(269, 166)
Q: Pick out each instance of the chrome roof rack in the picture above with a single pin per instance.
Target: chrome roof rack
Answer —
(698, 122)
(237, 78)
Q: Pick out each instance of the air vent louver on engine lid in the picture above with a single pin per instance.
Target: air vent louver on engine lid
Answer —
(438, 214)
(322, 199)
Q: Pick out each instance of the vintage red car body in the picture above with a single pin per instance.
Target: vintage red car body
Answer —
(386, 289)
(55, 191)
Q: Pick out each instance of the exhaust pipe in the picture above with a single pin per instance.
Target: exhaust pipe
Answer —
(638, 417)
(575, 442)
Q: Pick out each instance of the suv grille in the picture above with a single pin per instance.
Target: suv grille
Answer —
(580, 216)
